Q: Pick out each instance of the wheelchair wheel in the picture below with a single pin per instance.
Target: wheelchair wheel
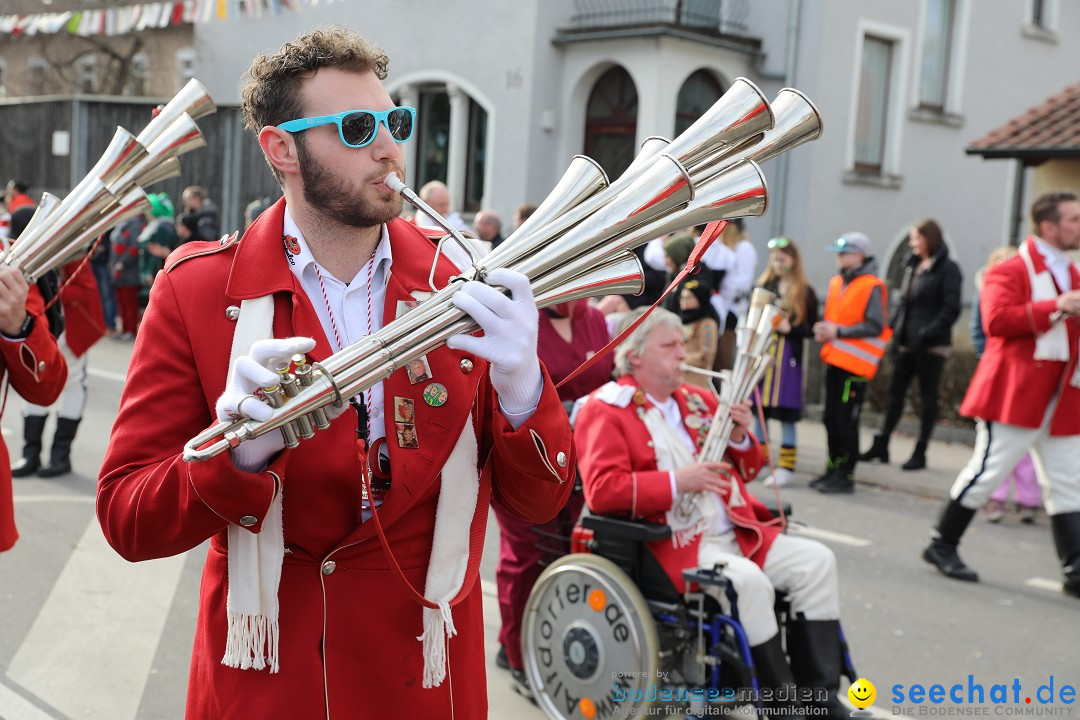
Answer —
(589, 641)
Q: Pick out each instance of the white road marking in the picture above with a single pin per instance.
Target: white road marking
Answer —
(1044, 584)
(819, 534)
(118, 377)
(91, 648)
(15, 707)
(88, 499)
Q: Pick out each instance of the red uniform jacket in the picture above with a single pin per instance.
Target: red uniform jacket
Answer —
(84, 320)
(36, 369)
(618, 470)
(1009, 385)
(348, 644)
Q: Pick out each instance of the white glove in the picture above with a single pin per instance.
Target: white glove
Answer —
(509, 339)
(248, 374)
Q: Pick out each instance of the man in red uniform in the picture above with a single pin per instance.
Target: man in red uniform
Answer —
(1026, 390)
(83, 325)
(29, 359)
(638, 440)
(302, 615)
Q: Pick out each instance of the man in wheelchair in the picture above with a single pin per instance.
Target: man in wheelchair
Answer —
(638, 440)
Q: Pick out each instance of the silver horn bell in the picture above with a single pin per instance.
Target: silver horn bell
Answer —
(112, 191)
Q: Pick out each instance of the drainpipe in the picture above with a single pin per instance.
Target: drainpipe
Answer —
(794, 11)
(1017, 202)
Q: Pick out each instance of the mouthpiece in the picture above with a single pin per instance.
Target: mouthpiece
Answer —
(701, 371)
(393, 182)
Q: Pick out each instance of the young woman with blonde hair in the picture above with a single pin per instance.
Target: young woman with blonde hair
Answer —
(782, 388)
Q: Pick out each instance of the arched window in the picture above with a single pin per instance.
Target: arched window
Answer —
(435, 132)
(611, 121)
(696, 95)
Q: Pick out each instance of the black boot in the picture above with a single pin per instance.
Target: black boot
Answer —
(814, 649)
(832, 470)
(775, 681)
(60, 454)
(33, 426)
(878, 451)
(843, 481)
(941, 552)
(1066, 528)
(918, 458)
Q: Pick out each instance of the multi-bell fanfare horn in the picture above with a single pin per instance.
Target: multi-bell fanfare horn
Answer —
(112, 191)
(576, 244)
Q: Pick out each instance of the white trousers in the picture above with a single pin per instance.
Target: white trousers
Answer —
(802, 569)
(999, 447)
(72, 400)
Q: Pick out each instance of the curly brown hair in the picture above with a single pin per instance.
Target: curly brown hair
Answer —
(271, 92)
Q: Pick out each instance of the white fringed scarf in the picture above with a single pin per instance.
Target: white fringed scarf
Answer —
(671, 454)
(255, 560)
(1054, 343)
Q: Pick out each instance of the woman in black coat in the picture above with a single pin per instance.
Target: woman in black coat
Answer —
(922, 334)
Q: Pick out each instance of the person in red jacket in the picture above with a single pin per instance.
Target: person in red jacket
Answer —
(306, 609)
(1025, 393)
(638, 440)
(83, 325)
(29, 359)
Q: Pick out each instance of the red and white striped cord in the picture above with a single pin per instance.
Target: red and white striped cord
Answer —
(330, 311)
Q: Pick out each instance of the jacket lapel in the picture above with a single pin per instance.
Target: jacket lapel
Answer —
(437, 427)
(261, 268)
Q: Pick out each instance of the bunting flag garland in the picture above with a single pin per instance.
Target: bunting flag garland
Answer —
(133, 18)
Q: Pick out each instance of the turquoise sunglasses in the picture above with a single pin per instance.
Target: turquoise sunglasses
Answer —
(358, 128)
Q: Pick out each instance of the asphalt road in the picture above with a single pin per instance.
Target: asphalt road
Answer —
(86, 635)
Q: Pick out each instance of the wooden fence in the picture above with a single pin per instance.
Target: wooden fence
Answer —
(231, 167)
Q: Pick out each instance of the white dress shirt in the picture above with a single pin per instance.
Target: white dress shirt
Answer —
(348, 305)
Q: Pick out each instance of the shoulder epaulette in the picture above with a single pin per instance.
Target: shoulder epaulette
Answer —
(195, 249)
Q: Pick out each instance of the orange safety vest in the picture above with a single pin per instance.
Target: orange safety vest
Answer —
(847, 306)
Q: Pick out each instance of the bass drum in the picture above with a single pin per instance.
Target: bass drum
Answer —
(589, 641)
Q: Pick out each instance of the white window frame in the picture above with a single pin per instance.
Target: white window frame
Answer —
(140, 59)
(86, 65)
(185, 57)
(954, 82)
(1048, 30)
(34, 63)
(901, 39)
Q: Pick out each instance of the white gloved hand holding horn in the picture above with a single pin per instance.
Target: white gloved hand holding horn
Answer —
(509, 339)
(242, 397)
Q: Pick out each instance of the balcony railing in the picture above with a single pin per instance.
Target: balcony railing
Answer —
(717, 17)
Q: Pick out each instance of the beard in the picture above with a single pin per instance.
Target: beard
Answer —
(335, 197)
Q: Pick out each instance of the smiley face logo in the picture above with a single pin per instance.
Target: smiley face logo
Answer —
(862, 693)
